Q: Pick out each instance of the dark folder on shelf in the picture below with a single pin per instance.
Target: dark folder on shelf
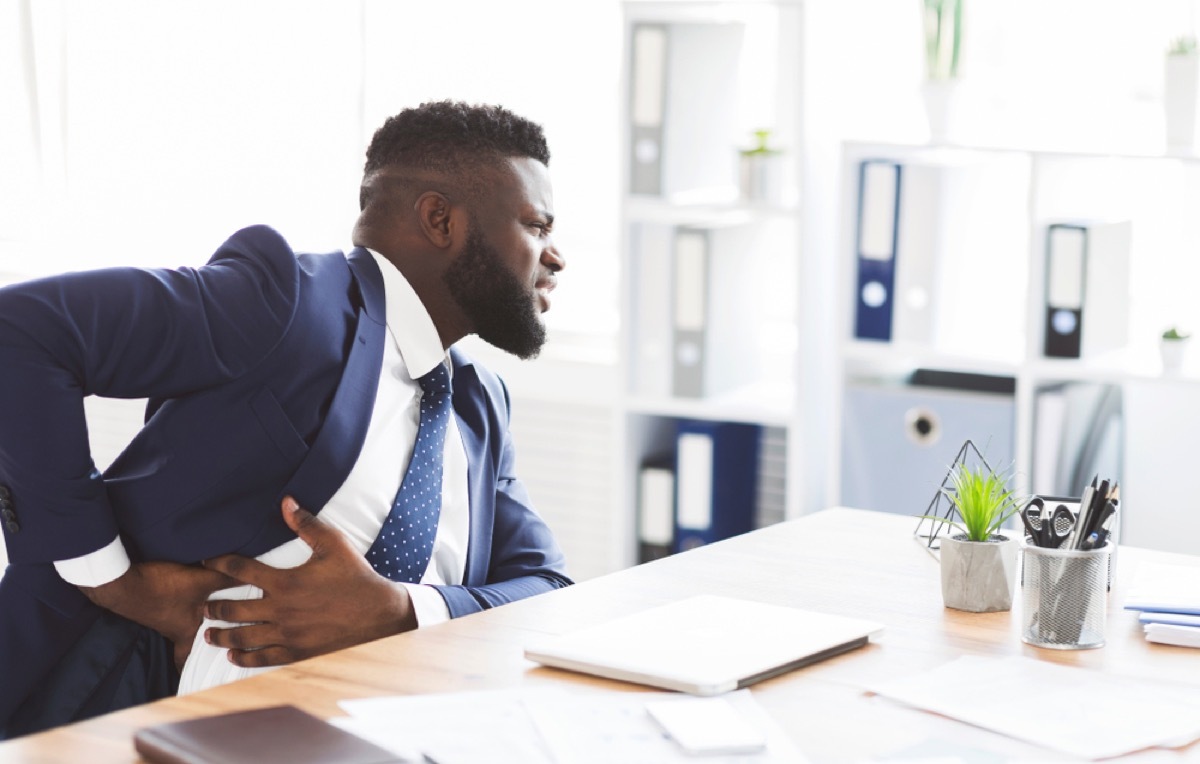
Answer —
(875, 247)
(1066, 248)
(716, 469)
(1087, 288)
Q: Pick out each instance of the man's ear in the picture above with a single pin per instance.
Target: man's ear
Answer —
(434, 218)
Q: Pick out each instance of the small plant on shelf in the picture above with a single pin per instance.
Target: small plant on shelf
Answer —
(1173, 348)
(943, 27)
(1182, 46)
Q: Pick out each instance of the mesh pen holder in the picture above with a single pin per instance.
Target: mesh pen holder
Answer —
(1064, 594)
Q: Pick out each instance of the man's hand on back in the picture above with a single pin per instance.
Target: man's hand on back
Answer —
(164, 596)
(334, 600)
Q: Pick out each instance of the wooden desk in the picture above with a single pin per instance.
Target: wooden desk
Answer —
(840, 560)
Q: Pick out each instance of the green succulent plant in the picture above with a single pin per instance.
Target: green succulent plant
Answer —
(1175, 333)
(981, 499)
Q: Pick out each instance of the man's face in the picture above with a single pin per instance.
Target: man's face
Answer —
(503, 277)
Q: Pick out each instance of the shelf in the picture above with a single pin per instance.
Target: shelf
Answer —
(1118, 367)
(1135, 364)
(767, 403)
(1145, 151)
(649, 209)
(861, 357)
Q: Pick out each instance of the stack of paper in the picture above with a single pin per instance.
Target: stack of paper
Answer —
(1073, 710)
(1169, 598)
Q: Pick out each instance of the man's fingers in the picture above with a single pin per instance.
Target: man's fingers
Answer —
(251, 637)
(213, 580)
(239, 611)
(268, 656)
(308, 526)
(243, 570)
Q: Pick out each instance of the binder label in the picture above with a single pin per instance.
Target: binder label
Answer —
(695, 488)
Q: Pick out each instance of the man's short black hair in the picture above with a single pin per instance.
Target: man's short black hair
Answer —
(451, 136)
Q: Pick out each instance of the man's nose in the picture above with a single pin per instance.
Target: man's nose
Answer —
(553, 259)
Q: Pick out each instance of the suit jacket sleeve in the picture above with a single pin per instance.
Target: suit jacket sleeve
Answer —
(126, 333)
(524, 557)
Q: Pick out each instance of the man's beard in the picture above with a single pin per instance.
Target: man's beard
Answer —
(502, 310)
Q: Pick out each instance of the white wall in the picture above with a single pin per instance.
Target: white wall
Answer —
(144, 132)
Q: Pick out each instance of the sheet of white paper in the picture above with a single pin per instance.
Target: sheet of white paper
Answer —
(452, 727)
(543, 726)
(1076, 711)
(605, 727)
(1162, 586)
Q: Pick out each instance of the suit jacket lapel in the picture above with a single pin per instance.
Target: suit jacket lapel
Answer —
(340, 440)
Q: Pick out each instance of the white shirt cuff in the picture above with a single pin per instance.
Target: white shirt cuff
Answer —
(97, 568)
(428, 604)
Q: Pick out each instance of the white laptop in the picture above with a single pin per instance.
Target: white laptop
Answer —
(704, 645)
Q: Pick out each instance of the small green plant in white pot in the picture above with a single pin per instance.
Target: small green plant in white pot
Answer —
(978, 562)
(1181, 93)
(942, 27)
(1173, 348)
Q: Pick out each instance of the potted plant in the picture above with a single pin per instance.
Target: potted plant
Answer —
(978, 562)
(1181, 92)
(942, 23)
(1173, 347)
(762, 170)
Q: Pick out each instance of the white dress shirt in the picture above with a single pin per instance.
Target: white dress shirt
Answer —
(360, 506)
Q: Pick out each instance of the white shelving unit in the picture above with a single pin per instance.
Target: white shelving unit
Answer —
(995, 313)
(701, 77)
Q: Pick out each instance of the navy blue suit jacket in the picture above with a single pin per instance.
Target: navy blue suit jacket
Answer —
(261, 369)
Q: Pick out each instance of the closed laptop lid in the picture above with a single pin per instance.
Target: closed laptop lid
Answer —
(704, 645)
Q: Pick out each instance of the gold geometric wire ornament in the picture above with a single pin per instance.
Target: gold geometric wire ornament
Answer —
(935, 509)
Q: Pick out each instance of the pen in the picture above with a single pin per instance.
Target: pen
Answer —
(1099, 537)
(1075, 538)
(1089, 515)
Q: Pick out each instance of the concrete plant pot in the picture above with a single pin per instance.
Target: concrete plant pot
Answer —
(978, 576)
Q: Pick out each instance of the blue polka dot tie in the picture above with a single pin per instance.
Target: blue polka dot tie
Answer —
(404, 545)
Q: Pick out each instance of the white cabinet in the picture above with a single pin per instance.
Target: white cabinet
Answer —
(1022, 248)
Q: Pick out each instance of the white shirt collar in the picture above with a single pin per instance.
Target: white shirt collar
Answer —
(408, 322)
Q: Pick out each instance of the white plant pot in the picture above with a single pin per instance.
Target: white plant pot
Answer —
(978, 576)
(1173, 353)
(761, 177)
(941, 99)
(1181, 99)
